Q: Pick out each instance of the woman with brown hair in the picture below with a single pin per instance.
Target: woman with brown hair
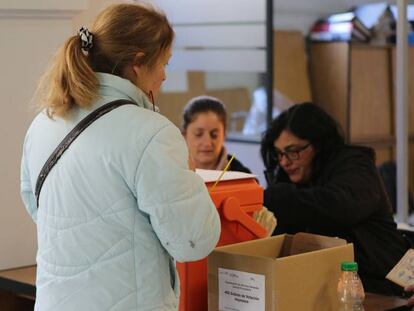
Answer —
(204, 129)
(106, 178)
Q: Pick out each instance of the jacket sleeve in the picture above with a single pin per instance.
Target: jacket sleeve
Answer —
(176, 199)
(348, 195)
(26, 191)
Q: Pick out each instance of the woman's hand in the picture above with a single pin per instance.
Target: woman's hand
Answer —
(410, 301)
(266, 219)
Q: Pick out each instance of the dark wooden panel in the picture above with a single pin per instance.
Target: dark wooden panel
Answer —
(329, 79)
(370, 91)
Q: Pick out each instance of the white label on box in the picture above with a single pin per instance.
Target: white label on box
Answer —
(241, 291)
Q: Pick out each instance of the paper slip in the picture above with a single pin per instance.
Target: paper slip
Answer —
(403, 272)
(212, 175)
(241, 291)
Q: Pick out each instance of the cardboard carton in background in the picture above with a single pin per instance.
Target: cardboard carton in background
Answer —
(281, 273)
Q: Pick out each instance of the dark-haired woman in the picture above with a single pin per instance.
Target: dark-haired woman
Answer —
(204, 129)
(319, 184)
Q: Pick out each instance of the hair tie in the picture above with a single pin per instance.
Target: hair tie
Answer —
(86, 40)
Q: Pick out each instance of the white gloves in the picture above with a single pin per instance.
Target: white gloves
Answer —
(266, 219)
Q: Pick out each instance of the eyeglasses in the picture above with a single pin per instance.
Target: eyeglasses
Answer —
(290, 154)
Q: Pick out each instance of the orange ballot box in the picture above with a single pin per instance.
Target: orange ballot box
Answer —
(237, 196)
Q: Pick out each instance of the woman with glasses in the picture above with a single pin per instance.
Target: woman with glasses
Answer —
(121, 204)
(319, 184)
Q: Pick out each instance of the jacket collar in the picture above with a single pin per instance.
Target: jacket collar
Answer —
(120, 88)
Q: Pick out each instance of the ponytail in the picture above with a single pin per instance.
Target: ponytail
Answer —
(118, 34)
(69, 81)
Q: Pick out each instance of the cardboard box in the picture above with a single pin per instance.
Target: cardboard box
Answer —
(281, 273)
(237, 196)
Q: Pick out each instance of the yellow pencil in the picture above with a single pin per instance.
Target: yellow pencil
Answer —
(222, 173)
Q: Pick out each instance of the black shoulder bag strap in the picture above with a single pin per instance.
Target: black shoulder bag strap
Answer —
(71, 136)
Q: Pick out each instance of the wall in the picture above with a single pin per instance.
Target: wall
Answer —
(29, 35)
(301, 14)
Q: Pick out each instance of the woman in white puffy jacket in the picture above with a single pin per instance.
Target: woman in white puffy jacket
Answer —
(121, 204)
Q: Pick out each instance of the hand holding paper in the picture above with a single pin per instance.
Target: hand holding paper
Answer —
(403, 272)
(266, 219)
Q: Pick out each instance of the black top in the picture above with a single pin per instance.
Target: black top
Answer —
(237, 166)
(345, 198)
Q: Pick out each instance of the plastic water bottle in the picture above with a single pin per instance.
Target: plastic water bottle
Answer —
(350, 290)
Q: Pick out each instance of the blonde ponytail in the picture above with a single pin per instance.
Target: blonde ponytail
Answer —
(69, 81)
(118, 34)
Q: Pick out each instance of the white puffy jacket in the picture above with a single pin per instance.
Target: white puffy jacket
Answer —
(117, 207)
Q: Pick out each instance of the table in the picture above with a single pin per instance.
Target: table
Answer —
(17, 289)
(21, 281)
(375, 302)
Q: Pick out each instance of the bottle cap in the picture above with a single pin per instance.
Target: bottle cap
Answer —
(349, 266)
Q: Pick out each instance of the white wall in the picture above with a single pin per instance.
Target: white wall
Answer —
(30, 32)
(249, 155)
(301, 14)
